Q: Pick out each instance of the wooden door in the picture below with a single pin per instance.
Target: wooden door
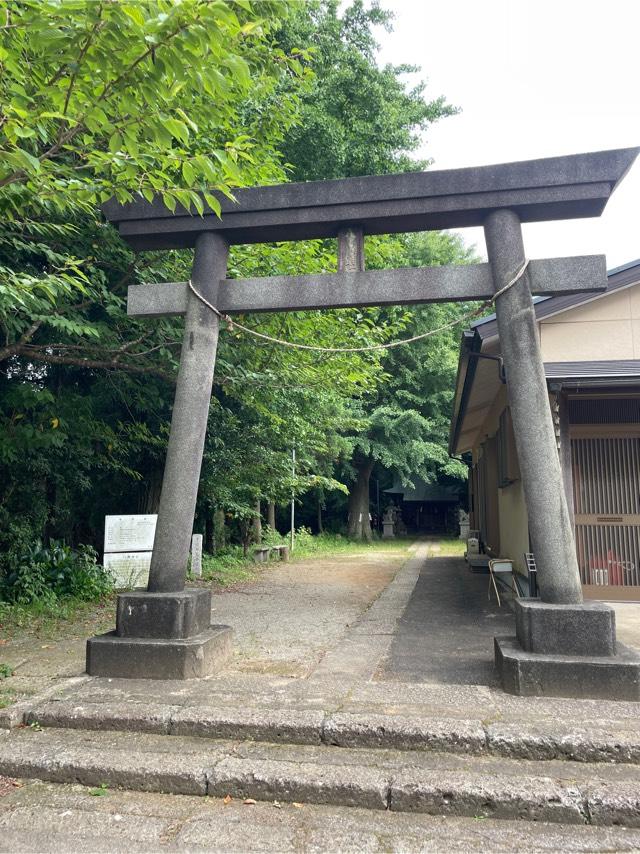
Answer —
(606, 489)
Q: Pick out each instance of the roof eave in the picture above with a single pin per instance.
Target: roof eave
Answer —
(470, 343)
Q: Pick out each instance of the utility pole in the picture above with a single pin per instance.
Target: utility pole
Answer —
(293, 503)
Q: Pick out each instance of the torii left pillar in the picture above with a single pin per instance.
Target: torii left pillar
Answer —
(165, 632)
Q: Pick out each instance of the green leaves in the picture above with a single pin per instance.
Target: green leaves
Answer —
(357, 118)
(185, 102)
(177, 129)
(22, 160)
(154, 83)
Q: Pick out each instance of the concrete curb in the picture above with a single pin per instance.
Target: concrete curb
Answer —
(15, 715)
(153, 774)
(319, 776)
(532, 741)
(529, 798)
(310, 782)
(404, 733)
(272, 725)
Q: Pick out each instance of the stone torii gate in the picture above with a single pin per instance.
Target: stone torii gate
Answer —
(165, 632)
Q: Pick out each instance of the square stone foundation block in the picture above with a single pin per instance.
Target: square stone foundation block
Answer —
(159, 658)
(140, 614)
(530, 674)
(586, 629)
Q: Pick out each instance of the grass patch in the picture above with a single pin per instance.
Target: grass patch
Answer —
(330, 544)
(58, 619)
(228, 567)
(7, 698)
(6, 671)
(447, 547)
(232, 567)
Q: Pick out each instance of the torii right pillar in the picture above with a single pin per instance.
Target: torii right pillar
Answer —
(563, 646)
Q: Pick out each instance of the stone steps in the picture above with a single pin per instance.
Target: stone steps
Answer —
(610, 742)
(49, 817)
(410, 781)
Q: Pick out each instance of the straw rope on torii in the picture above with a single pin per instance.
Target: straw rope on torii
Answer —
(373, 347)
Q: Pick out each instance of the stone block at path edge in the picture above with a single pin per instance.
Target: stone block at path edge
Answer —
(534, 674)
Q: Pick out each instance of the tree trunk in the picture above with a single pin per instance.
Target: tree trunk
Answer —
(245, 535)
(219, 533)
(319, 510)
(271, 515)
(150, 498)
(256, 524)
(209, 538)
(359, 527)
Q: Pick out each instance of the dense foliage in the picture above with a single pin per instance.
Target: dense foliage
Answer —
(189, 100)
(101, 99)
(46, 574)
(358, 118)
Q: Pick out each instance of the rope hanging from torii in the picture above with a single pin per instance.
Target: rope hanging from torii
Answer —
(463, 319)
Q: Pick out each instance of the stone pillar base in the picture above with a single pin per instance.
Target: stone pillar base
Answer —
(567, 651)
(159, 658)
(530, 674)
(586, 629)
(141, 614)
(161, 636)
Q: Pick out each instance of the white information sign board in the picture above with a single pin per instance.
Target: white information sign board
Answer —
(129, 569)
(129, 533)
(128, 543)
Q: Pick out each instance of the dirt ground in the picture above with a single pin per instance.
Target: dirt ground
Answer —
(305, 617)
(283, 620)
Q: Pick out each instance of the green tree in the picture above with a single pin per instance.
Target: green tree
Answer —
(187, 100)
(404, 422)
(98, 99)
(269, 398)
(360, 119)
(356, 118)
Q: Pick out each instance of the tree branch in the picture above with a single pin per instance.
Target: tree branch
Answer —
(12, 349)
(81, 56)
(65, 138)
(40, 354)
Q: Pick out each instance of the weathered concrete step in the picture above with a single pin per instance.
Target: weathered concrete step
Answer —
(403, 781)
(522, 740)
(49, 817)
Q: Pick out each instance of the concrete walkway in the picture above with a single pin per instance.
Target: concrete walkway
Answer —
(334, 637)
(383, 614)
(445, 634)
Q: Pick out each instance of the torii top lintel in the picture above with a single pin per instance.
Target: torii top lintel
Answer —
(567, 187)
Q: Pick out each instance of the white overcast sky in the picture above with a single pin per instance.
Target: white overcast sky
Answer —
(533, 78)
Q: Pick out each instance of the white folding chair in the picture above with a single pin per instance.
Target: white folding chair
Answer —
(499, 568)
